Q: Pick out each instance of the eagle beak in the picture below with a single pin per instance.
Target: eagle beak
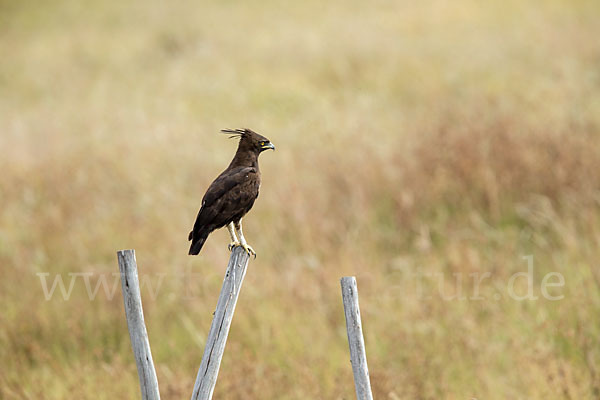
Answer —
(268, 146)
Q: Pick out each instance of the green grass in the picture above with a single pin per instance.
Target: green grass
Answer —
(425, 139)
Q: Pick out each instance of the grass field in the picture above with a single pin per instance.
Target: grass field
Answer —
(421, 146)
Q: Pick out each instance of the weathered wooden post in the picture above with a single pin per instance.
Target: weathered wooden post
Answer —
(135, 323)
(219, 329)
(356, 341)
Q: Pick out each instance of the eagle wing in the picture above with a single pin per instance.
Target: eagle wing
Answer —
(227, 199)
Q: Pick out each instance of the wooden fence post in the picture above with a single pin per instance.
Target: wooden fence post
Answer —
(219, 329)
(135, 323)
(356, 341)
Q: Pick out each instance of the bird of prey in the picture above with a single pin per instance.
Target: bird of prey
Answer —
(232, 194)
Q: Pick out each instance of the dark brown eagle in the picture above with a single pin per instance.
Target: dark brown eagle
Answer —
(232, 194)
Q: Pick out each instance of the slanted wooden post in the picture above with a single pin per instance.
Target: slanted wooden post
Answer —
(135, 323)
(358, 356)
(219, 329)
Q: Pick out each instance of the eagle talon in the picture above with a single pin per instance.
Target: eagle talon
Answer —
(249, 250)
(233, 245)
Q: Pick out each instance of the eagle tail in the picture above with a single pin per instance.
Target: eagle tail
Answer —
(197, 242)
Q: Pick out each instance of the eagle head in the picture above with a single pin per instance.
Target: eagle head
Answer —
(250, 140)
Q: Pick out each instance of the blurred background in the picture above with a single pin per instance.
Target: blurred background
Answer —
(415, 141)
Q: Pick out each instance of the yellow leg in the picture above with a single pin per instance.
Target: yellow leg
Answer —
(234, 241)
(246, 246)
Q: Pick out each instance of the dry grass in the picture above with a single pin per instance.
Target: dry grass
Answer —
(430, 138)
